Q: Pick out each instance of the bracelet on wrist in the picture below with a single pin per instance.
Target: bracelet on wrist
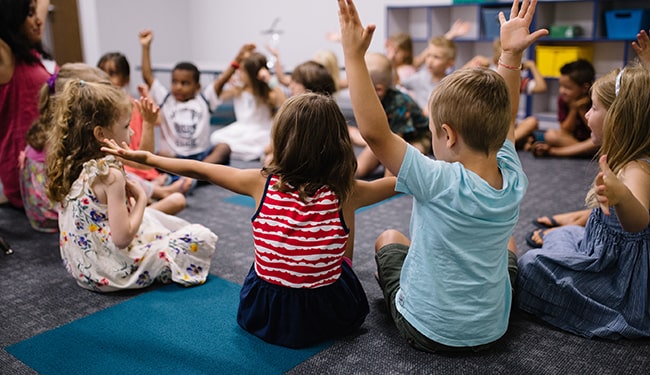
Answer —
(520, 67)
(234, 64)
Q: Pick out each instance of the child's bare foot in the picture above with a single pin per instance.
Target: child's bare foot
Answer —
(567, 218)
(529, 143)
(184, 184)
(540, 149)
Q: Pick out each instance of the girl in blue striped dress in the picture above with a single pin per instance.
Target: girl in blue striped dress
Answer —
(593, 281)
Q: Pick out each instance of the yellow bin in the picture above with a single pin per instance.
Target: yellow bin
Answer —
(551, 58)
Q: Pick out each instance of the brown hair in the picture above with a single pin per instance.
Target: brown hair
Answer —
(252, 65)
(312, 147)
(475, 103)
(328, 59)
(315, 77)
(80, 107)
(38, 132)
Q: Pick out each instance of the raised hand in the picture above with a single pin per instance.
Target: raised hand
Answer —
(458, 28)
(515, 31)
(354, 37)
(146, 37)
(642, 47)
(149, 110)
(244, 51)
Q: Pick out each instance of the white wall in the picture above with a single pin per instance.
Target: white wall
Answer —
(210, 32)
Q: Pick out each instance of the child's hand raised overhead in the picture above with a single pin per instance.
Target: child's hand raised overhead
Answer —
(354, 37)
(244, 52)
(515, 31)
(146, 37)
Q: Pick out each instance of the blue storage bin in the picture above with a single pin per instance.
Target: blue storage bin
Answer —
(490, 17)
(626, 23)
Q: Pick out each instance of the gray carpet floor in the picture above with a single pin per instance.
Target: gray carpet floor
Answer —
(37, 295)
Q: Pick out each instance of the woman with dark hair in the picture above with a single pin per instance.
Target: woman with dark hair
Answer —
(22, 73)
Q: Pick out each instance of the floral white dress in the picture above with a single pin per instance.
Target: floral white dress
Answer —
(166, 248)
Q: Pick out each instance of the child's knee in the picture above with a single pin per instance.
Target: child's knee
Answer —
(390, 236)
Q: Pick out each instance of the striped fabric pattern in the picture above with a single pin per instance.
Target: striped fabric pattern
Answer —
(299, 244)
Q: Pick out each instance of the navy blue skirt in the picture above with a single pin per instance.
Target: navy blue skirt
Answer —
(298, 318)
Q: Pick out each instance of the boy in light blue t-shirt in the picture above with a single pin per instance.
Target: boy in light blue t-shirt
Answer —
(448, 288)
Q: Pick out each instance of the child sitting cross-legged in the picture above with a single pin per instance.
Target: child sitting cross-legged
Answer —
(448, 287)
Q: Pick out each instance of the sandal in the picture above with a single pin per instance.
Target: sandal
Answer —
(535, 243)
(551, 220)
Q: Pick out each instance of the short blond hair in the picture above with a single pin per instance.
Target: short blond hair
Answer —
(476, 104)
(442, 42)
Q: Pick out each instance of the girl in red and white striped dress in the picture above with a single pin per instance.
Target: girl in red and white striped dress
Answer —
(301, 290)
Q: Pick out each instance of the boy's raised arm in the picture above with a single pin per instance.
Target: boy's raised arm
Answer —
(146, 37)
(368, 111)
(515, 38)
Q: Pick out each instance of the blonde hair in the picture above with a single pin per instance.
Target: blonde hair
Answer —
(329, 60)
(403, 42)
(37, 133)
(381, 69)
(476, 104)
(442, 42)
(80, 107)
(626, 130)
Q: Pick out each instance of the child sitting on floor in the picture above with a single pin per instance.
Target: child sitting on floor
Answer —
(185, 127)
(301, 289)
(109, 239)
(449, 288)
(255, 100)
(404, 115)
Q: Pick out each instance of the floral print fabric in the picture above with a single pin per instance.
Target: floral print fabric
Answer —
(166, 248)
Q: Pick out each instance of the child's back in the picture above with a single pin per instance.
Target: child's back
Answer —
(457, 260)
(301, 289)
(109, 240)
(448, 288)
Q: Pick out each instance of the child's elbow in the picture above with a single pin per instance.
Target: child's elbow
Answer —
(122, 242)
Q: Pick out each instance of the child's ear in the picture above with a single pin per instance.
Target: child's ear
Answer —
(450, 134)
(99, 133)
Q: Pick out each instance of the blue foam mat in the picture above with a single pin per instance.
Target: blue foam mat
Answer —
(171, 329)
